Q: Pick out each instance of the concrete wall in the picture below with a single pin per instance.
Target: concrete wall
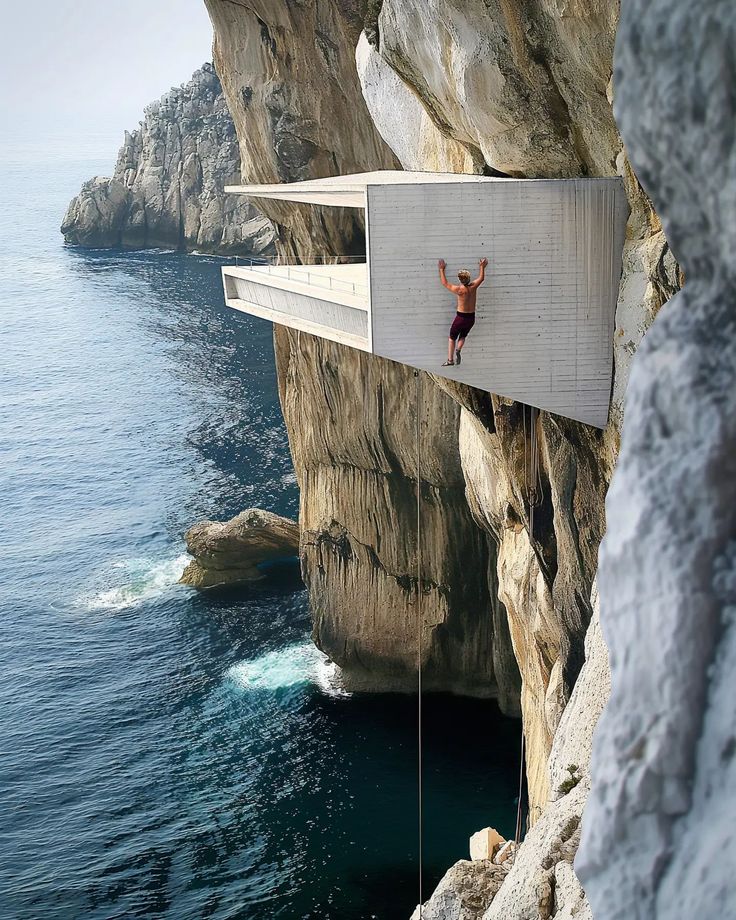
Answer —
(544, 327)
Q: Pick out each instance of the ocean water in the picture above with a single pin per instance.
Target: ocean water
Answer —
(168, 754)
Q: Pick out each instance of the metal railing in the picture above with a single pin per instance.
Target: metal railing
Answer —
(279, 267)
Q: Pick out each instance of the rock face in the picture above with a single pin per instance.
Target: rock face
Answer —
(517, 89)
(167, 188)
(464, 891)
(659, 830)
(542, 881)
(288, 73)
(351, 426)
(229, 552)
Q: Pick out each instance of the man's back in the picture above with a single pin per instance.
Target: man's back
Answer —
(466, 296)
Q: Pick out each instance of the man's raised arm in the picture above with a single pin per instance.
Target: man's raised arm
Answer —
(481, 273)
(442, 265)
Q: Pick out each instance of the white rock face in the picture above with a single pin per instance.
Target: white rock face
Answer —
(660, 827)
(544, 860)
(523, 85)
(402, 120)
(167, 189)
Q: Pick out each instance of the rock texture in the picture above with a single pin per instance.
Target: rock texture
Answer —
(542, 882)
(229, 552)
(659, 828)
(464, 891)
(288, 72)
(167, 188)
(351, 425)
(517, 89)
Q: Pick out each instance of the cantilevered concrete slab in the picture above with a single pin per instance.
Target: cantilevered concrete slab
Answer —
(348, 191)
(545, 316)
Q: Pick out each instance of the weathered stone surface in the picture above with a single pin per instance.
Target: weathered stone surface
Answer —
(167, 189)
(464, 892)
(524, 85)
(547, 853)
(484, 843)
(664, 764)
(351, 427)
(404, 123)
(230, 552)
(288, 72)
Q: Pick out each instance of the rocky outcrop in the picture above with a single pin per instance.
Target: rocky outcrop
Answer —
(542, 882)
(230, 552)
(659, 834)
(464, 891)
(167, 188)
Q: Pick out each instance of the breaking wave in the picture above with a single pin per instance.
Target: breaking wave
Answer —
(138, 580)
(299, 663)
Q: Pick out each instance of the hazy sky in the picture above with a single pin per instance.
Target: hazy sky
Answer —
(91, 65)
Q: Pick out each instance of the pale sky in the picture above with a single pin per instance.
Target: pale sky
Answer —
(90, 66)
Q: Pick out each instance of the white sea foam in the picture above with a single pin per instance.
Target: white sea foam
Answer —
(300, 663)
(138, 580)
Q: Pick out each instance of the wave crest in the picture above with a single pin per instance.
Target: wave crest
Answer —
(299, 663)
(142, 580)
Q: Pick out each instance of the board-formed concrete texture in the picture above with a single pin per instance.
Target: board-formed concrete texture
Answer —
(545, 315)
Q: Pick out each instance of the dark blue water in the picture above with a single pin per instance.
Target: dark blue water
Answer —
(167, 754)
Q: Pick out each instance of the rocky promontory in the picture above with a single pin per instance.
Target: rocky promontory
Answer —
(230, 552)
(167, 187)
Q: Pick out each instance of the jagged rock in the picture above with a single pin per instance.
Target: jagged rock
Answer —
(553, 841)
(464, 891)
(229, 552)
(664, 755)
(167, 189)
(505, 853)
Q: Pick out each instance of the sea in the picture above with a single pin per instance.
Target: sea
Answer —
(166, 753)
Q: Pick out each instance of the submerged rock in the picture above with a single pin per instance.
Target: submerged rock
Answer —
(167, 189)
(230, 552)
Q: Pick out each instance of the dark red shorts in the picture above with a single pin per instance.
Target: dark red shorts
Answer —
(461, 325)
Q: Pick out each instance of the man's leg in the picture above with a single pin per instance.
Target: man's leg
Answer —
(458, 349)
(450, 352)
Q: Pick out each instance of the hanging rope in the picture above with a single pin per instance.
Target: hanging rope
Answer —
(533, 487)
(420, 784)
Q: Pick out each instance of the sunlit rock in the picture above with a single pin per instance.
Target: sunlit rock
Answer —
(230, 552)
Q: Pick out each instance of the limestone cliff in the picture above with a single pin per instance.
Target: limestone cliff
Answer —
(515, 89)
(658, 833)
(167, 187)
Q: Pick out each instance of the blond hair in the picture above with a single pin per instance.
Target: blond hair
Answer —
(464, 276)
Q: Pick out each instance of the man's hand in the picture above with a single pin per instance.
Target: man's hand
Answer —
(442, 265)
(483, 262)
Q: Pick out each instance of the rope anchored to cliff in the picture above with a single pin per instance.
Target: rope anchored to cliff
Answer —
(533, 487)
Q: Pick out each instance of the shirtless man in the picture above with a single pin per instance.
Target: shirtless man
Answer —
(465, 317)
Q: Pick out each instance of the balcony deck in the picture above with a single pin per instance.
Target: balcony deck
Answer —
(330, 301)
